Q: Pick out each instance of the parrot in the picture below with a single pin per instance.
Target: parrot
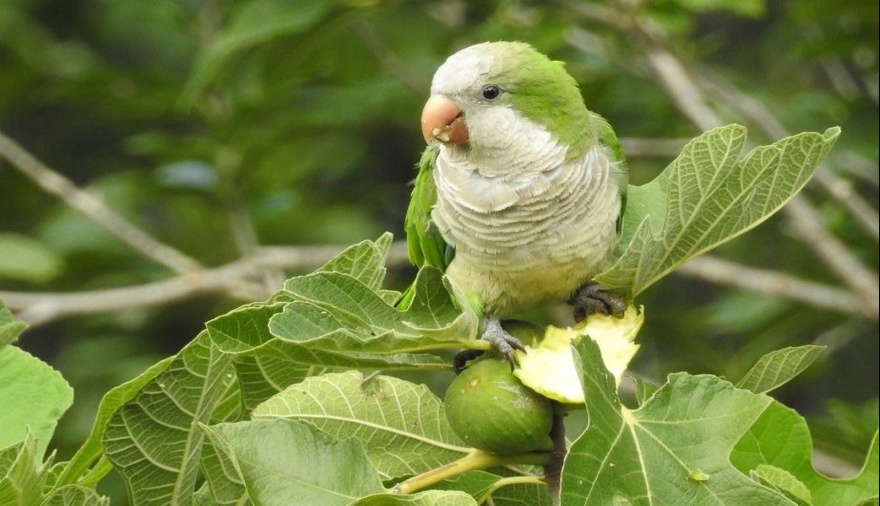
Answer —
(518, 195)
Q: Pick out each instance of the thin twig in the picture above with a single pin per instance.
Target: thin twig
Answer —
(95, 209)
(843, 193)
(807, 224)
(681, 88)
(776, 284)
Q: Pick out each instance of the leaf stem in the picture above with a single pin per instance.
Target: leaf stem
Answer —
(508, 481)
(477, 459)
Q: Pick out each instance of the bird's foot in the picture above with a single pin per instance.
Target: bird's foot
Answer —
(501, 340)
(589, 299)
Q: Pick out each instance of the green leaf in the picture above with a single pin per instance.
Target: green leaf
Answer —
(340, 317)
(150, 440)
(747, 8)
(490, 488)
(785, 482)
(91, 449)
(364, 261)
(707, 197)
(781, 438)
(266, 364)
(21, 473)
(75, 495)
(672, 450)
(24, 259)
(338, 312)
(476, 483)
(284, 462)
(244, 334)
(10, 328)
(254, 23)
(778, 368)
(427, 498)
(521, 494)
(401, 425)
(644, 389)
(33, 397)
(224, 484)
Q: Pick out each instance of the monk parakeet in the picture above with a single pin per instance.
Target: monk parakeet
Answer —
(519, 191)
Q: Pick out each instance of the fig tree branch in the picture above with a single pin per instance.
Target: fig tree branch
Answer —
(241, 279)
(776, 284)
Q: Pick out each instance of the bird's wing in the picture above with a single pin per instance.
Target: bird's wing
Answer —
(619, 171)
(423, 240)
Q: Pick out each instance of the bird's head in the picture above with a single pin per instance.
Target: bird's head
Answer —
(489, 94)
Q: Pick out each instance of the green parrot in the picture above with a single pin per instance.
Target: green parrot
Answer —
(519, 192)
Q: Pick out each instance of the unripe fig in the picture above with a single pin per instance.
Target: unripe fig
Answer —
(490, 409)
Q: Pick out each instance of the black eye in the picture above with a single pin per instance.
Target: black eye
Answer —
(491, 92)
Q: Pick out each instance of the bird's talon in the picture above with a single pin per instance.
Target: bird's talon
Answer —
(501, 340)
(589, 299)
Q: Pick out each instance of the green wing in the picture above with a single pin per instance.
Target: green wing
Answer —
(423, 240)
(608, 138)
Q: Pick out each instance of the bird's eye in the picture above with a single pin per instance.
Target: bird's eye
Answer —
(491, 92)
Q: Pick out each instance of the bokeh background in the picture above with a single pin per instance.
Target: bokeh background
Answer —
(246, 140)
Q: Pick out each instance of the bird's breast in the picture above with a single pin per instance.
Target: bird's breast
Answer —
(523, 240)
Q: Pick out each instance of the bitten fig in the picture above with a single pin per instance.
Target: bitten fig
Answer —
(490, 409)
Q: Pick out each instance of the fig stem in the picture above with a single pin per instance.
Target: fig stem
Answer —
(553, 469)
(477, 459)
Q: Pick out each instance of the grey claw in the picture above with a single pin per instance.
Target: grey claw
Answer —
(502, 341)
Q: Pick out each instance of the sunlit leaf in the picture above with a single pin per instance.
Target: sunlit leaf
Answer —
(33, 397)
(779, 367)
(402, 425)
(75, 495)
(10, 328)
(781, 438)
(427, 498)
(710, 197)
(315, 469)
(674, 446)
(91, 449)
(21, 473)
(150, 438)
(336, 311)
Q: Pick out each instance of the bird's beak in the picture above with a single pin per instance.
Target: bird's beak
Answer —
(443, 120)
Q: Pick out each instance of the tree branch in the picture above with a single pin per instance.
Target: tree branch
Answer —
(807, 224)
(777, 284)
(237, 279)
(95, 209)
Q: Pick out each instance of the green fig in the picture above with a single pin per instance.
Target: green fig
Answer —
(490, 409)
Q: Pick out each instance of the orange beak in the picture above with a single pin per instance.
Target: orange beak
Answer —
(442, 119)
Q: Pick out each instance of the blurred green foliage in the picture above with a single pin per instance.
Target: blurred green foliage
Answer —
(301, 116)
